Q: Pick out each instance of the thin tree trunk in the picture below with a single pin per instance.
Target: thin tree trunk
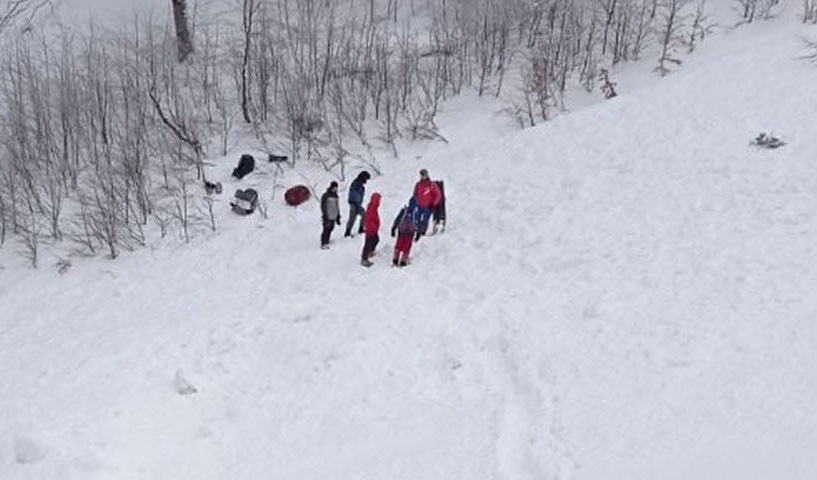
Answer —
(249, 10)
(183, 40)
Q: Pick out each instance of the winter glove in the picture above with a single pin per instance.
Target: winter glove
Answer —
(393, 233)
(338, 220)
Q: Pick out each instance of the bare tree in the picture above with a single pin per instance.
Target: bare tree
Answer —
(608, 11)
(12, 11)
(752, 9)
(3, 219)
(30, 229)
(747, 9)
(672, 23)
(810, 11)
(169, 92)
(701, 27)
(248, 11)
(181, 211)
(211, 215)
(184, 41)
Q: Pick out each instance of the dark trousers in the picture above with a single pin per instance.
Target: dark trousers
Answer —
(328, 226)
(369, 245)
(423, 216)
(354, 211)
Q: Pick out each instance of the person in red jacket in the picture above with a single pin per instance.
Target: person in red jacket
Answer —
(428, 196)
(372, 228)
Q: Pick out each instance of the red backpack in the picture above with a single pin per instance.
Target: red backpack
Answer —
(297, 195)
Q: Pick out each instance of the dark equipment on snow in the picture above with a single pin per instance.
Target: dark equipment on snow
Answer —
(211, 188)
(297, 195)
(277, 158)
(439, 210)
(246, 164)
(767, 141)
(245, 201)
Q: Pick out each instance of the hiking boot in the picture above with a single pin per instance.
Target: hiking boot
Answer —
(394, 262)
(403, 263)
(366, 263)
(347, 235)
(324, 247)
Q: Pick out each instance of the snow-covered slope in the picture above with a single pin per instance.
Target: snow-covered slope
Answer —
(624, 292)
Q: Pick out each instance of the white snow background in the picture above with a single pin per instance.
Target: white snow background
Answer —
(626, 292)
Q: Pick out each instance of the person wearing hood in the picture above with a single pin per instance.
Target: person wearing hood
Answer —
(372, 229)
(404, 227)
(357, 192)
(330, 213)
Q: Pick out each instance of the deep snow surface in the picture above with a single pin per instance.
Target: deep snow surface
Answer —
(624, 292)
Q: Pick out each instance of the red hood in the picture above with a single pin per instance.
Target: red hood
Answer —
(375, 202)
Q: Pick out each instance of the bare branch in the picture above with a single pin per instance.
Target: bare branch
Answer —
(12, 10)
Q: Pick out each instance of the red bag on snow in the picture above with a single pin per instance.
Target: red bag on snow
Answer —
(297, 195)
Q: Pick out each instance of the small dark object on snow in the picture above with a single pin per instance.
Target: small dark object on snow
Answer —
(211, 188)
(767, 141)
(245, 201)
(184, 387)
(277, 158)
(297, 195)
(246, 164)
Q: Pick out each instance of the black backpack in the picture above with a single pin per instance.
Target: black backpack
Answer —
(246, 164)
(245, 201)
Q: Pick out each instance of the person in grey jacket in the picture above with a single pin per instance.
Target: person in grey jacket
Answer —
(330, 213)
(357, 191)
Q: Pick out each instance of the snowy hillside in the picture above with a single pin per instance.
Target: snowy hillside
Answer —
(624, 292)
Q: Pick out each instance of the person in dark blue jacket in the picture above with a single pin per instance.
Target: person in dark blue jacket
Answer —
(357, 191)
(404, 228)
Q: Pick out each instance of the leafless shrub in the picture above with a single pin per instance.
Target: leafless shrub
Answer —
(809, 14)
(673, 18)
(30, 236)
(810, 50)
(750, 10)
(181, 209)
(701, 26)
(208, 201)
(63, 265)
(608, 87)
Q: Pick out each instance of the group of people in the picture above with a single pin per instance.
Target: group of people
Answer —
(410, 224)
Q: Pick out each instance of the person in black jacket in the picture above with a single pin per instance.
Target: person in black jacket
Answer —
(330, 213)
(357, 192)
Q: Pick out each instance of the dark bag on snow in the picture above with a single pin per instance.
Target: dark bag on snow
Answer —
(767, 141)
(297, 195)
(211, 188)
(246, 164)
(245, 201)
